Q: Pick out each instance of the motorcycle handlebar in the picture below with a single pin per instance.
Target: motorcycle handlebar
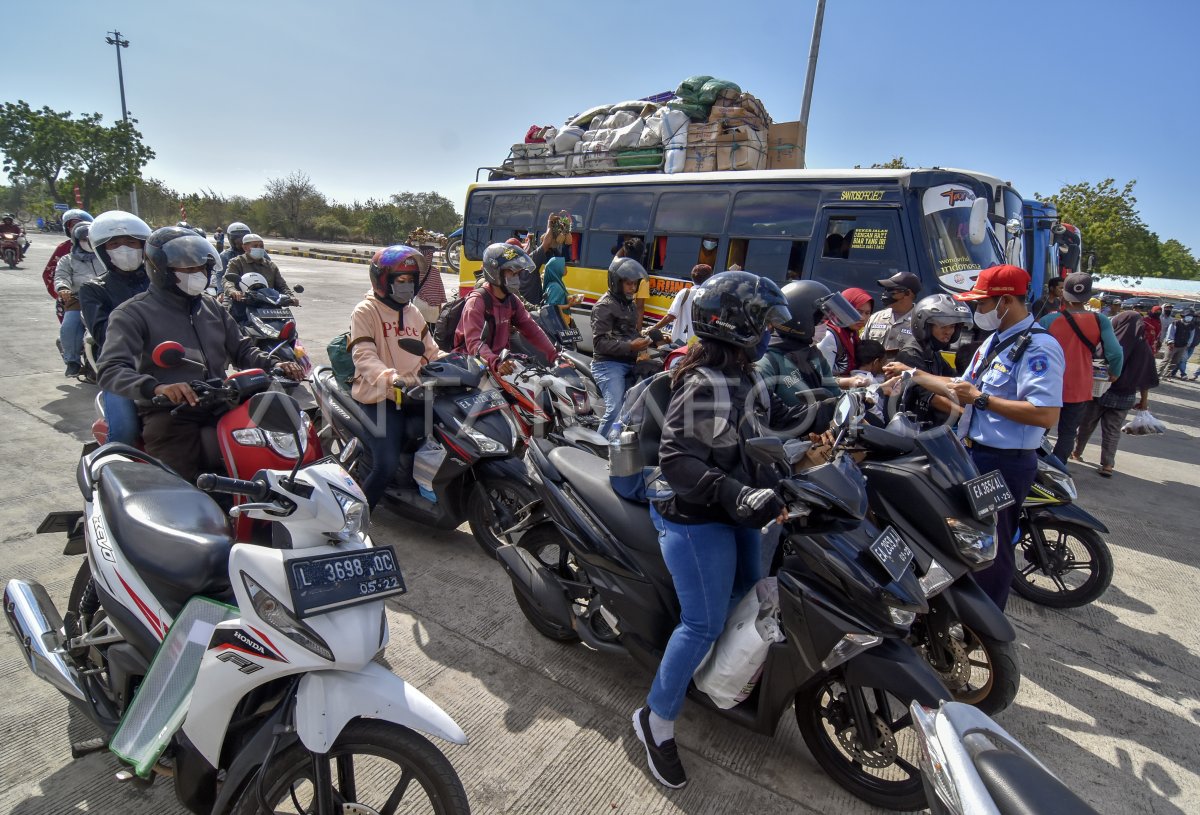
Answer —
(209, 482)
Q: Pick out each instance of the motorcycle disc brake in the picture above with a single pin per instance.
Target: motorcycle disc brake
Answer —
(884, 754)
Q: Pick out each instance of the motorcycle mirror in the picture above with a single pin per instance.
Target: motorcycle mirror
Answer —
(977, 231)
(288, 331)
(276, 412)
(349, 452)
(766, 450)
(412, 345)
(298, 289)
(841, 413)
(795, 449)
(167, 354)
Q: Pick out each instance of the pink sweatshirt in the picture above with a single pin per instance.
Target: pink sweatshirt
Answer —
(375, 330)
(508, 314)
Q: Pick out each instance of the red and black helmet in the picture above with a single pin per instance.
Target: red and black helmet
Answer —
(393, 260)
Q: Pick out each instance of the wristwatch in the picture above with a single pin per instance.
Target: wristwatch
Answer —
(981, 401)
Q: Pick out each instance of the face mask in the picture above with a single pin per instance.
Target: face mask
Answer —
(258, 253)
(191, 284)
(990, 321)
(1187, 319)
(403, 292)
(709, 245)
(761, 349)
(125, 258)
(86, 246)
(512, 282)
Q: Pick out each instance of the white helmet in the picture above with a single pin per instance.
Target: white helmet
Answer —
(252, 281)
(117, 223)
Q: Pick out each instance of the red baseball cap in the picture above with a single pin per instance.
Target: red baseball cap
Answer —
(997, 281)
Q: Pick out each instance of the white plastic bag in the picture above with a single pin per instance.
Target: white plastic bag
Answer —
(1143, 423)
(733, 665)
(674, 137)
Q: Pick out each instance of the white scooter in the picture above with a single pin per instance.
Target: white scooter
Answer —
(971, 766)
(283, 705)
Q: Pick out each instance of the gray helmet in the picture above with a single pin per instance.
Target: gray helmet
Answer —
(623, 270)
(502, 259)
(938, 309)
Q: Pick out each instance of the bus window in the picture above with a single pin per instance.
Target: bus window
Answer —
(774, 213)
(772, 259)
(691, 212)
(859, 249)
(675, 255)
(576, 203)
(476, 235)
(601, 247)
(513, 210)
(627, 212)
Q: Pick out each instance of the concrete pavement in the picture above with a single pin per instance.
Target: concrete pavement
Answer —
(1110, 697)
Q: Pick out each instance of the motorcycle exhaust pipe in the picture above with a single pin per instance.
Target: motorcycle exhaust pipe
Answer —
(36, 624)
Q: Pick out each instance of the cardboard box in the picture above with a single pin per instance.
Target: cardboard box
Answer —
(740, 148)
(700, 159)
(703, 133)
(783, 152)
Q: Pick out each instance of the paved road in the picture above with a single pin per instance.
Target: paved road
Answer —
(1110, 698)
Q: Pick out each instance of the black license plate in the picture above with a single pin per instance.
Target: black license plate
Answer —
(273, 314)
(892, 552)
(481, 402)
(988, 494)
(328, 582)
(569, 335)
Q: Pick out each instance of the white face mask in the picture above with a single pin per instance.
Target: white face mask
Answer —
(258, 253)
(989, 321)
(125, 258)
(191, 284)
(86, 246)
(709, 245)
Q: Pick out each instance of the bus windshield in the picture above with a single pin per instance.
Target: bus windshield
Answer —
(946, 216)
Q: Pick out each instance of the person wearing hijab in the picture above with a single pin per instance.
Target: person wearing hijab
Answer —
(838, 344)
(1131, 390)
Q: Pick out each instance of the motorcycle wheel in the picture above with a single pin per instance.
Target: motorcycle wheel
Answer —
(983, 672)
(888, 776)
(373, 765)
(10, 257)
(546, 544)
(492, 507)
(452, 256)
(1080, 568)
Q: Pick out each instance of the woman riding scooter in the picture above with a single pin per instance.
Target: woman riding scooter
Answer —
(709, 526)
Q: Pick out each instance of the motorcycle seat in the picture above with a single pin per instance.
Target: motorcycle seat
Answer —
(628, 521)
(1019, 786)
(173, 535)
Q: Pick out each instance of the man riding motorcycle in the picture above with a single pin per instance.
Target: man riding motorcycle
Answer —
(236, 232)
(617, 336)
(174, 308)
(254, 259)
(495, 306)
(71, 218)
(9, 226)
(74, 269)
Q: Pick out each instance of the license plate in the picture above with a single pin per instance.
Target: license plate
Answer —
(481, 402)
(327, 582)
(892, 552)
(569, 335)
(988, 494)
(273, 314)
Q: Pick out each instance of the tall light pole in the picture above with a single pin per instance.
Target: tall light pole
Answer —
(115, 40)
(813, 48)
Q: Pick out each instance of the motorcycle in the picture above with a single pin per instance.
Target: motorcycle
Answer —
(11, 249)
(587, 567)
(262, 314)
(467, 466)
(1062, 560)
(925, 485)
(244, 672)
(556, 402)
(972, 766)
(237, 441)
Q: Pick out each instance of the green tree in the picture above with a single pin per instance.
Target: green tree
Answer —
(106, 159)
(1112, 228)
(1178, 261)
(895, 163)
(37, 144)
(428, 209)
(328, 228)
(293, 202)
(383, 225)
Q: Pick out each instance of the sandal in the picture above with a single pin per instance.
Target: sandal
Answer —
(1105, 472)
(1076, 457)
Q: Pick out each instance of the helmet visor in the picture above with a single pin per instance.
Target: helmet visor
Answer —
(776, 316)
(838, 310)
(189, 252)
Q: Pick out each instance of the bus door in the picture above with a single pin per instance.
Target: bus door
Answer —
(856, 247)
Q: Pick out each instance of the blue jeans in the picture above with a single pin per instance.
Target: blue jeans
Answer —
(713, 566)
(612, 378)
(70, 334)
(384, 446)
(1019, 473)
(122, 417)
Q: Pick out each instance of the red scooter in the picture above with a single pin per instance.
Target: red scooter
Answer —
(11, 249)
(244, 448)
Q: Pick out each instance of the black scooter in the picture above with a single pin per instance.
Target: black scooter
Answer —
(588, 567)
(466, 468)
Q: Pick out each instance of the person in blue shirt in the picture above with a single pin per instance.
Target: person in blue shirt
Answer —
(1011, 393)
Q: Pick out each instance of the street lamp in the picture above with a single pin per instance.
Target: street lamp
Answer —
(813, 48)
(115, 40)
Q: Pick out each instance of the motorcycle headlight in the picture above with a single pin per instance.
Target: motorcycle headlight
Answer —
(275, 614)
(849, 646)
(356, 513)
(284, 444)
(1062, 481)
(263, 327)
(974, 546)
(485, 444)
(935, 579)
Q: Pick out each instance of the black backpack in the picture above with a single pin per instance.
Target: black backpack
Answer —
(451, 314)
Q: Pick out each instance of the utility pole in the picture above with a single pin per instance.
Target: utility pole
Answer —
(116, 41)
(813, 48)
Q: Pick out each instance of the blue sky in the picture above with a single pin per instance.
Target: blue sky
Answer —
(371, 98)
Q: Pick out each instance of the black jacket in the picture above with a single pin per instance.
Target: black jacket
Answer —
(614, 328)
(704, 435)
(205, 329)
(930, 360)
(98, 298)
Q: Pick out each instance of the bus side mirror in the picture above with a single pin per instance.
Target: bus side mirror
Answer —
(979, 221)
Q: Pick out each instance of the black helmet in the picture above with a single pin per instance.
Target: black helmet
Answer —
(174, 247)
(622, 270)
(502, 259)
(737, 308)
(803, 301)
(938, 309)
